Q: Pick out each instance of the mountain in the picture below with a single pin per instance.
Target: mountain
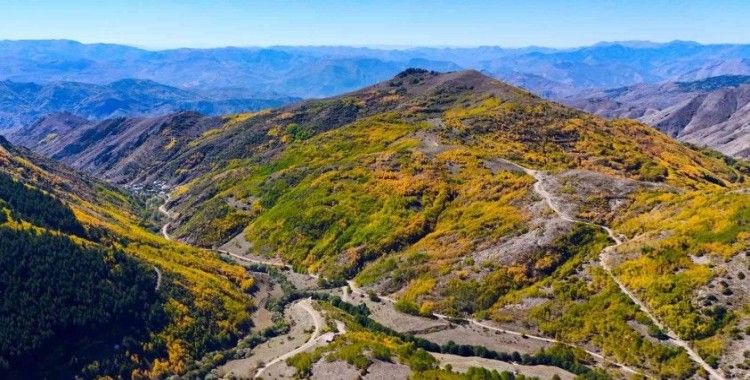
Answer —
(320, 71)
(89, 289)
(24, 103)
(457, 196)
(255, 70)
(710, 112)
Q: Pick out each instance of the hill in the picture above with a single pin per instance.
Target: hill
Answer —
(710, 112)
(409, 190)
(88, 290)
(24, 103)
(455, 194)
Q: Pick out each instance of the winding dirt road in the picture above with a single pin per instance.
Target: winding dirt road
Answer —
(672, 337)
(165, 227)
(541, 191)
(305, 304)
(318, 322)
(158, 277)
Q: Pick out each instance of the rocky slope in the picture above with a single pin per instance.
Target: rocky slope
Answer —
(712, 112)
(121, 149)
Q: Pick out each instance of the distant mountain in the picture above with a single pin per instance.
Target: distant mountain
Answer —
(714, 112)
(287, 71)
(329, 70)
(23, 103)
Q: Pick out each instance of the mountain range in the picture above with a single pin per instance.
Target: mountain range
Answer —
(24, 103)
(619, 79)
(558, 213)
(324, 71)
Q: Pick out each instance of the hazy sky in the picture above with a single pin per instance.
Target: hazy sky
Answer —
(192, 23)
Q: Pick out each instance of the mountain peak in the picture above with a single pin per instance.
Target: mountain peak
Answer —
(426, 83)
(412, 71)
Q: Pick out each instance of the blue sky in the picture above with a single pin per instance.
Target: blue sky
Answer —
(192, 23)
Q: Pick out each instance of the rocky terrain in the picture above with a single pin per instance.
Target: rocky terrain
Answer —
(711, 112)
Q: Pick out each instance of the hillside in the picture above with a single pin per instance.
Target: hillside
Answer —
(414, 195)
(711, 112)
(408, 185)
(88, 290)
(119, 149)
(459, 195)
(24, 103)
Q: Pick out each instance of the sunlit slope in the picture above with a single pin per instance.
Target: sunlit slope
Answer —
(383, 181)
(80, 276)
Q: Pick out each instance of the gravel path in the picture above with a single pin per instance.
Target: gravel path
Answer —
(672, 337)
(158, 277)
(316, 336)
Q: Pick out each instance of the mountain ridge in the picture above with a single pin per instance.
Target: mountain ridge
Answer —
(324, 71)
(25, 103)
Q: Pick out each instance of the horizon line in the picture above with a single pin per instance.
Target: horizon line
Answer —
(632, 43)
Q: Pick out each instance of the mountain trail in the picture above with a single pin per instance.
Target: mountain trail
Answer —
(315, 337)
(672, 336)
(158, 277)
(357, 289)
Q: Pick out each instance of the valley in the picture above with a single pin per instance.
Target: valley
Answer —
(708, 112)
(546, 188)
(419, 227)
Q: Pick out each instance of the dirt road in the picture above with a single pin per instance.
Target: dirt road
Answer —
(158, 278)
(165, 227)
(318, 322)
(475, 322)
(540, 190)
